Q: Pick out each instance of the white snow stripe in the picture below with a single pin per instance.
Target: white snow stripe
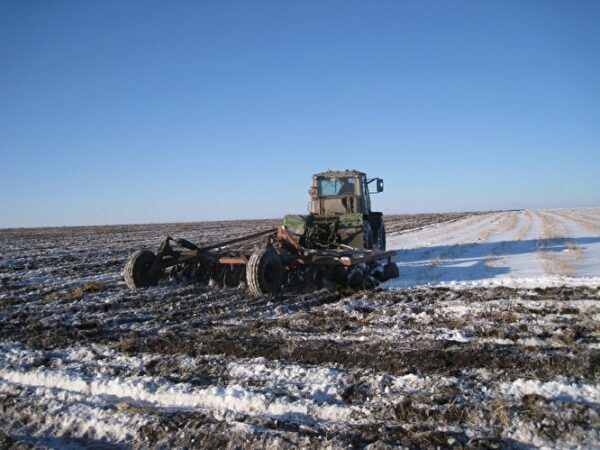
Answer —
(164, 394)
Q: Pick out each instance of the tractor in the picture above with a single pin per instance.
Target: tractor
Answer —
(340, 243)
(340, 213)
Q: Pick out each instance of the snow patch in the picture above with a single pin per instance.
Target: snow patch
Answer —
(554, 390)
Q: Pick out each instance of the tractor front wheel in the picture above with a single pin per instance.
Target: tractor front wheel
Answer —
(264, 272)
(137, 269)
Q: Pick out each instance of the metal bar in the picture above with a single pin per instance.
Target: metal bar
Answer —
(371, 257)
(311, 262)
(282, 233)
(232, 260)
(169, 261)
(341, 260)
(240, 239)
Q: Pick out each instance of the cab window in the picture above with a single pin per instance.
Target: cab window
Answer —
(336, 186)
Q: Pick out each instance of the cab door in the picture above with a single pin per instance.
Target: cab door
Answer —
(366, 199)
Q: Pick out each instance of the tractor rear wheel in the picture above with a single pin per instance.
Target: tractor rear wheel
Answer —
(380, 241)
(264, 272)
(367, 235)
(137, 269)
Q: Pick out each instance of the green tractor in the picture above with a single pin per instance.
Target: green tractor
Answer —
(340, 213)
(340, 243)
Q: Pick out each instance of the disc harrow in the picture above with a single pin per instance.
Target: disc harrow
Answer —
(279, 261)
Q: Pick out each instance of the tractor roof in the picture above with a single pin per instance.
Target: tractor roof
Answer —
(338, 173)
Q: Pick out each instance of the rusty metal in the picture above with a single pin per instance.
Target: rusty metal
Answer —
(284, 236)
(233, 260)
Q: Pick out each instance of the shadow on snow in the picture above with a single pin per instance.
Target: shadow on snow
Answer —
(471, 261)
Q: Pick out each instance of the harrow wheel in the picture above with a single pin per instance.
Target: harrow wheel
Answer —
(136, 271)
(264, 272)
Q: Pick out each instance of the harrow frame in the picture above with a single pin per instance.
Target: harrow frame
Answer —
(356, 268)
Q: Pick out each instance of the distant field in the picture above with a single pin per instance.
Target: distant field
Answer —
(512, 248)
(489, 339)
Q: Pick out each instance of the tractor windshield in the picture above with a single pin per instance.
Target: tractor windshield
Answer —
(336, 186)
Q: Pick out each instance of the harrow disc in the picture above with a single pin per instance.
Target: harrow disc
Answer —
(232, 276)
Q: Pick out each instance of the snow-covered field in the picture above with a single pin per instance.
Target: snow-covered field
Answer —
(516, 248)
(489, 339)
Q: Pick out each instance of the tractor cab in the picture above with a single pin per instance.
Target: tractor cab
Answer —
(334, 193)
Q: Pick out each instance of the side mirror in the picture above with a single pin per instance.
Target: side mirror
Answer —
(379, 187)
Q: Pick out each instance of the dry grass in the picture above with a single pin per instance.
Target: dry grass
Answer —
(129, 407)
(524, 230)
(554, 262)
(554, 265)
(585, 223)
(466, 223)
(490, 259)
(499, 409)
(564, 267)
(507, 316)
(437, 261)
(452, 227)
(511, 222)
(575, 249)
(78, 291)
(127, 344)
(590, 216)
(508, 222)
(551, 227)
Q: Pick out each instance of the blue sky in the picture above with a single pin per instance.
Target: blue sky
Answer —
(128, 112)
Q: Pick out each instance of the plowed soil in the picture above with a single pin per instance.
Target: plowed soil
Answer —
(87, 362)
